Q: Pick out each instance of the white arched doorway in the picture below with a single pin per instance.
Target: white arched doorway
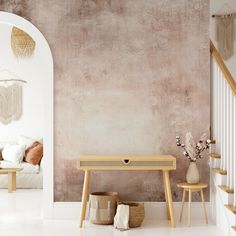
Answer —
(47, 75)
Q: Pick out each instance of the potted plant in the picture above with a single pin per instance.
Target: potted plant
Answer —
(193, 151)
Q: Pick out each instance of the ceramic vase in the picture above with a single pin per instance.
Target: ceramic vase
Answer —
(192, 176)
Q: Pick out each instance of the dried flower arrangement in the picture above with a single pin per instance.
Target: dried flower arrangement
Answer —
(192, 150)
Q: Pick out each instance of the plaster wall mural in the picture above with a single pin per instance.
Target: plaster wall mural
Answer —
(129, 76)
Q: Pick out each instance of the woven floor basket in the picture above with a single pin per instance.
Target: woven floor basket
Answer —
(102, 206)
(136, 213)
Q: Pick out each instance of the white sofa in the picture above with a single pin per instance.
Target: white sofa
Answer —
(31, 177)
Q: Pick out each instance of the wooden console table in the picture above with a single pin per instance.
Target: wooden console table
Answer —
(165, 163)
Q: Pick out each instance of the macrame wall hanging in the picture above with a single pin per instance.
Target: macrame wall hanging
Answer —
(10, 99)
(225, 31)
(22, 44)
(225, 35)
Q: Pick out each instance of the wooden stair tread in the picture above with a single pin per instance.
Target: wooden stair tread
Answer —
(226, 189)
(231, 208)
(215, 155)
(219, 171)
(234, 228)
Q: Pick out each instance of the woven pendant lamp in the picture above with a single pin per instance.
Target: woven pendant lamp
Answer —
(22, 44)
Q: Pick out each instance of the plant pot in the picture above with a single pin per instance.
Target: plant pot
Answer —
(192, 176)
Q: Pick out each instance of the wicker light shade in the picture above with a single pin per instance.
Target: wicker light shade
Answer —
(22, 44)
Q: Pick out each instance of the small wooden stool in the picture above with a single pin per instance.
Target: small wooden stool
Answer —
(192, 188)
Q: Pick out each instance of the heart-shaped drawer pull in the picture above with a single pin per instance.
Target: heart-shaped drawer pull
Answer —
(126, 161)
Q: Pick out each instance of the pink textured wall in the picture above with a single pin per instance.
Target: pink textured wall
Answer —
(129, 76)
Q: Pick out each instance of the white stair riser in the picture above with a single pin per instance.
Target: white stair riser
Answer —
(212, 148)
(216, 163)
(223, 217)
(219, 179)
(231, 217)
(227, 198)
(220, 214)
(232, 232)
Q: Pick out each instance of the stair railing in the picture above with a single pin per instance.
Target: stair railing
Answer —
(223, 117)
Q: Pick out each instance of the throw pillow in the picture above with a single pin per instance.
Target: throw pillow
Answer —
(13, 153)
(27, 141)
(34, 153)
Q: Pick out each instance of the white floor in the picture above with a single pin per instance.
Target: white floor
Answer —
(20, 215)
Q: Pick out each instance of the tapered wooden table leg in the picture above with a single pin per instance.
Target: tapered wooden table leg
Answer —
(167, 204)
(204, 207)
(85, 196)
(189, 206)
(169, 196)
(182, 207)
(10, 182)
(14, 181)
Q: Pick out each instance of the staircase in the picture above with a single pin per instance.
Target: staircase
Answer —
(223, 151)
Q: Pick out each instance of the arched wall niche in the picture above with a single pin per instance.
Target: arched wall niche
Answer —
(46, 72)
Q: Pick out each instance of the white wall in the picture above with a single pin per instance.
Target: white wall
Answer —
(217, 7)
(32, 121)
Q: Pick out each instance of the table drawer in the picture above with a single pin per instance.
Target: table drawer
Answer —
(127, 163)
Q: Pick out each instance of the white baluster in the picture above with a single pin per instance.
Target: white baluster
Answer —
(212, 116)
(227, 133)
(215, 100)
(223, 122)
(221, 118)
(234, 145)
(231, 147)
(219, 114)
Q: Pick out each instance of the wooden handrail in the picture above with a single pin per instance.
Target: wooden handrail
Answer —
(223, 67)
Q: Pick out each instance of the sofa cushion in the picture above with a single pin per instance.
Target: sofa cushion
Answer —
(13, 153)
(28, 141)
(34, 153)
(27, 167)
